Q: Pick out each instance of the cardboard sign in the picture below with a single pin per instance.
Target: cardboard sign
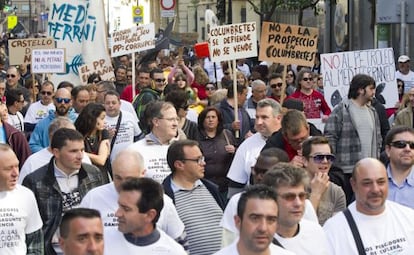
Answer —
(288, 44)
(101, 67)
(339, 68)
(20, 50)
(233, 41)
(135, 39)
(48, 61)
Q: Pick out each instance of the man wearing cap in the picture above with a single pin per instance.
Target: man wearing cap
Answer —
(404, 73)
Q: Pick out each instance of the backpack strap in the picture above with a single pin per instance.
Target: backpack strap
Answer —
(355, 232)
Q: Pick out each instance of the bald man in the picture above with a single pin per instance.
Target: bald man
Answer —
(384, 227)
(62, 100)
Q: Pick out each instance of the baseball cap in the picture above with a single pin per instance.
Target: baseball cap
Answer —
(403, 59)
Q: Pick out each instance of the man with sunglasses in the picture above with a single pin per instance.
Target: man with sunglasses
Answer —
(62, 100)
(275, 84)
(12, 82)
(399, 147)
(314, 102)
(197, 200)
(327, 198)
(40, 109)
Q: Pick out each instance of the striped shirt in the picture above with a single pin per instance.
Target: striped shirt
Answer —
(201, 215)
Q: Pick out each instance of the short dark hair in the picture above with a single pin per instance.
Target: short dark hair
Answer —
(153, 110)
(395, 131)
(307, 144)
(155, 70)
(176, 151)
(177, 97)
(75, 213)
(202, 116)
(65, 84)
(112, 93)
(75, 91)
(230, 90)
(259, 191)
(13, 95)
(152, 194)
(360, 81)
(62, 135)
(275, 76)
(94, 76)
(293, 121)
(285, 174)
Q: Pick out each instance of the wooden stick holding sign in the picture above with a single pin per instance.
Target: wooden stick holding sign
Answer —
(283, 90)
(133, 76)
(229, 43)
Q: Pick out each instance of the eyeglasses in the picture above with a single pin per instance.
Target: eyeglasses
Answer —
(319, 158)
(159, 80)
(11, 75)
(60, 100)
(292, 196)
(402, 144)
(210, 88)
(200, 160)
(273, 86)
(307, 79)
(46, 93)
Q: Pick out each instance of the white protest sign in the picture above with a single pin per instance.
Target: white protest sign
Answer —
(101, 67)
(48, 61)
(233, 41)
(339, 68)
(135, 39)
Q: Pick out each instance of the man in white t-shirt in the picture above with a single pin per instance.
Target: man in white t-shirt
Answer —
(140, 202)
(126, 165)
(268, 120)
(384, 227)
(81, 232)
(404, 73)
(42, 157)
(128, 130)
(21, 228)
(256, 220)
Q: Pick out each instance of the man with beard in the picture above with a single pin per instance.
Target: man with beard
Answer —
(62, 100)
(353, 127)
(382, 227)
(399, 169)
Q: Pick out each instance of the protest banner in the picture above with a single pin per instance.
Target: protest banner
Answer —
(48, 61)
(230, 42)
(101, 67)
(20, 50)
(339, 68)
(134, 39)
(79, 27)
(288, 44)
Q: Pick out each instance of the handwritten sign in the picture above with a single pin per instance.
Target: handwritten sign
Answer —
(101, 67)
(339, 68)
(20, 50)
(135, 39)
(288, 44)
(48, 61)
(233, 41)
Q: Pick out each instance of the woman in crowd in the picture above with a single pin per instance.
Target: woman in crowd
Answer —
(290, 82)
(91, 123)
(217, 145)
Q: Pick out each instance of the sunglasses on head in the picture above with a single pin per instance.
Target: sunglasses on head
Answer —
(402, 144)
(306, 79)
(319, 158)
(159, 80)
(273, 86)
(60, 100)
(11, 75)
(46, 93)
(292, 196)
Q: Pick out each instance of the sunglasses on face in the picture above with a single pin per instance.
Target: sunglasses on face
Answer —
(319, 158)
(273, 86)
(402, 144)
(46, 93)
(60, 100)
(306, 79)
(159, 80)
(292, 196)
(11, 75)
